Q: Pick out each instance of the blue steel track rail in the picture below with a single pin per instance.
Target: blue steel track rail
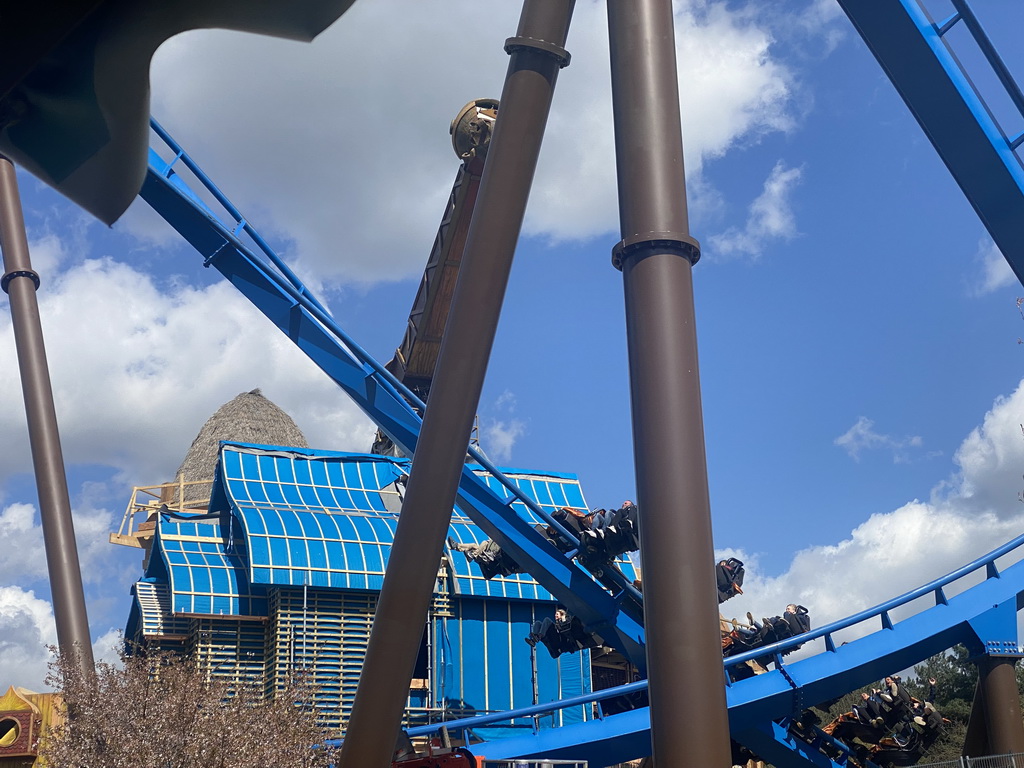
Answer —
(979, 154)
(757, 705)
(614, 610)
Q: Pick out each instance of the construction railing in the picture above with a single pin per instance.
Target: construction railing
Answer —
(147, 500)
(1015, 760)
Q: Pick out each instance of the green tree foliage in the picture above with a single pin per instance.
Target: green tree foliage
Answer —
(162, 711)
(955, 679)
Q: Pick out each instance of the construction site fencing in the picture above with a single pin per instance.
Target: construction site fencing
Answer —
(1015, 760)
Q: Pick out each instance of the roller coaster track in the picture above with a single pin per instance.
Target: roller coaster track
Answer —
(921, 59)
(982, 616)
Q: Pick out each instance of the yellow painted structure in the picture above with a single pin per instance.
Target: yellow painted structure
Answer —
(25, 718)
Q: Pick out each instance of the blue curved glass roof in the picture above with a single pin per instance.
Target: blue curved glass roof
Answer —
(327, 519)
(203, 576)
(292, 517)
(260, 477)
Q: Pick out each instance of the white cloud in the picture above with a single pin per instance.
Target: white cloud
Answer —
(23, 544)
(993, 271)
(863, 437)
(973, 512)
(48, 253)
(991, 460)
(500, 434)
(770, 212)
(137, 369)
(24, 555)
(889, 554)
(301, 139)
(770, 217)
(506, 400)
(818, 19)
(106, 648)
(26, 631)
(732, 88)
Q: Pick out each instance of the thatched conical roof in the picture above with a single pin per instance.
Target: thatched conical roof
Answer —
(248, 418)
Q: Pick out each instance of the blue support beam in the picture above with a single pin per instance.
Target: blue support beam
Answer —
(910, 49)
(995, 632)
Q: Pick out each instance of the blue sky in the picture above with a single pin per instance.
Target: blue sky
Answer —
(858, 333)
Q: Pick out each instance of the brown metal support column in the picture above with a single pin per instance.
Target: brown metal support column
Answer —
(976, 737)
(537, 53)
(21, 283)
(997, 682)
(689, 722)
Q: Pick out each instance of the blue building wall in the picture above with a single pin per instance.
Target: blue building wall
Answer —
(299, 540)
(485, 663)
